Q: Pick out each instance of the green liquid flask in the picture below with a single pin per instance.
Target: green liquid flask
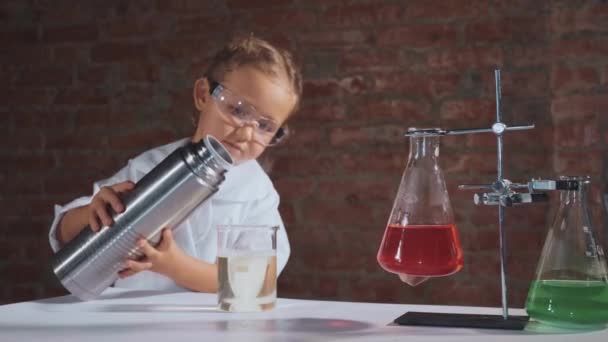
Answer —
(571, 285)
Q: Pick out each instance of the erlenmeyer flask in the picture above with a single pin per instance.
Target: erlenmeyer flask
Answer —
(571, 284)
(420, 240)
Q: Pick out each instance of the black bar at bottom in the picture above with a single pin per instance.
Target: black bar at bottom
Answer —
(462, 320)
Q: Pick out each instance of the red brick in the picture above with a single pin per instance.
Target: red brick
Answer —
(284, 19)
(320, 112)
(117, 52)
(202, 23)
(287, 212)
(520, 85)
(520, 8)
(473, 112)
(578, 162)
(321, 88)
(31, 97)
(419, 36)
(431, 85)
(305, 137)
(356, 191)
(294, 188)
(20, 184)
(46, 76)
(566, 80)
(480, 239)
(46, 119)
(27, 162)
(22, 272)
(142, 26)
(575, 107)
(469, 57)
(245, 4)
(67, 184)
(94, 162)
(137, 94)
(305, 165)
(588, 17)
(376, 161)
(82, 139)
(74, 33)
(94, 74)
(579, 49)
(189, 49)
(81, 95)
(141, 140)
(106, 118)
(379, 60)
(23, 294)
(25, 54)
(386, 134)
(361, 15)
(19, 37)
(415, 112)
(335, 39)
(446, 10)
(186, 6)
(317, 210)
(508, 30)
(450, 289)
(70, 55)
(525, 55)
(583, 133)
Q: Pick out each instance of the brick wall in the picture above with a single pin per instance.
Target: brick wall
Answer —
(88, 84)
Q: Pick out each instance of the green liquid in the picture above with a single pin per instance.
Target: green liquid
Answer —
(568, 303)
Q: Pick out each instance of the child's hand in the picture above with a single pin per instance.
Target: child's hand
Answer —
(161, 259)
(107, 195)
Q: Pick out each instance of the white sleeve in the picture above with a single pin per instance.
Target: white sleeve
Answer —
(266, 211)
(126, 173)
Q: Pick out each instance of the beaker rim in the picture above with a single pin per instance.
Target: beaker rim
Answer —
(424, 132)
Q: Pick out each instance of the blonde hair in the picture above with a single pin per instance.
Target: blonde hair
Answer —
(257, 52)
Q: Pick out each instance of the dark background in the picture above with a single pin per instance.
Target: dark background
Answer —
(88, 84)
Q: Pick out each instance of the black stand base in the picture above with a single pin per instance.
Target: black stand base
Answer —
(462, 320)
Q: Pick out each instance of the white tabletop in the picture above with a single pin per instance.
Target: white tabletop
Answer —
(132, 316)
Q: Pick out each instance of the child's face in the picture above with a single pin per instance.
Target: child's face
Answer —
(244, 112)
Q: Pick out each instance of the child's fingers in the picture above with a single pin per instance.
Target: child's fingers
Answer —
(109, 196)
(147, 249)
(123, 186)
(138, 266)
(126, 273)
(93, 223)
(103, 215)
(167, 239)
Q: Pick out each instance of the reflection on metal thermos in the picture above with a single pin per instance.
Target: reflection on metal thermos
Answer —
(90, 262)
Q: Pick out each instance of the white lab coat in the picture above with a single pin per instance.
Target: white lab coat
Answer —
(246, 196)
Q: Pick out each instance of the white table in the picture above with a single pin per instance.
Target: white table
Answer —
(133, 316)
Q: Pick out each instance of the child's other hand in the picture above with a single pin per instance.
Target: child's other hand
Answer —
(107, 195)
(161, 259)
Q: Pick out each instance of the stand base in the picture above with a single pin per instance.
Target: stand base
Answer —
(462, 320)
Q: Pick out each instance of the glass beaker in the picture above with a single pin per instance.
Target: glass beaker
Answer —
(247, 267)
(571, 285)
(420, 240)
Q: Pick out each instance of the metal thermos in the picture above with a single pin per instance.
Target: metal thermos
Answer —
(90, 262)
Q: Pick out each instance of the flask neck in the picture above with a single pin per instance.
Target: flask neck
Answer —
(425, 147)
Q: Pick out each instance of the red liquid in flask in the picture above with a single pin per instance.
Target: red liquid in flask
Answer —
(425, 250)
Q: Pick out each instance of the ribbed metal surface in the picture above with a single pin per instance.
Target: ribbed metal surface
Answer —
(162, 198)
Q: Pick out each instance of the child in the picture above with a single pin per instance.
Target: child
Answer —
(247, 94)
